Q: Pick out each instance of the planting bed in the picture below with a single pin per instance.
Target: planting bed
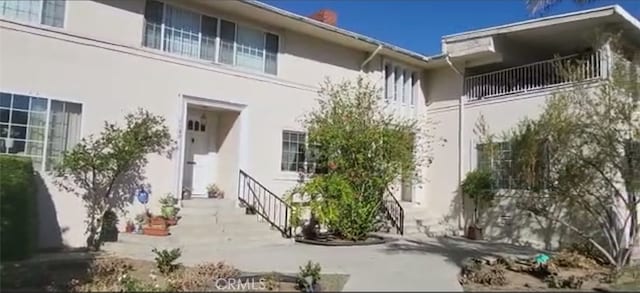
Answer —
(330, 240)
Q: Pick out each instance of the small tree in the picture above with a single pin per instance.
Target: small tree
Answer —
(106, 169)
(363, 148)
(478, 186)
(581, 155)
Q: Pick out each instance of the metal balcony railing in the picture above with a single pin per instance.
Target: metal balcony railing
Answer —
(534, 76)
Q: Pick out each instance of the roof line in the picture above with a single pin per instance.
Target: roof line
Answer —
(614, 8)
(338, 30)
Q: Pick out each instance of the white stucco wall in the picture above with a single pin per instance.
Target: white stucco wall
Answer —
(98, 62)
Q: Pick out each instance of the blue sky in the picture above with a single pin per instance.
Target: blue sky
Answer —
(418, 25)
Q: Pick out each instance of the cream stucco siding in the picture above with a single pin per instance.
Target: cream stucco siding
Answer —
(104, 68)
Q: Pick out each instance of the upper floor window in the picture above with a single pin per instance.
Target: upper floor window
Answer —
(47, 12)
(400, 84)
(186, 33)
(38, 128)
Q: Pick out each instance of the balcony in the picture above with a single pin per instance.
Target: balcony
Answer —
(535, 76)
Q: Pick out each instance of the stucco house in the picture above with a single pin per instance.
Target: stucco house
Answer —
(233, 78)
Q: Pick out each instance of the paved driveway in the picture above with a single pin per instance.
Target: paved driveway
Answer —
(396, 266)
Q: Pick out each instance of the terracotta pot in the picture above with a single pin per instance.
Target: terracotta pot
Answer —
(172, 222)
(474, 233)
(155, 232)
(158, 223)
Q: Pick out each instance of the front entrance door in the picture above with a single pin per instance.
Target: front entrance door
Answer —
(199, 168)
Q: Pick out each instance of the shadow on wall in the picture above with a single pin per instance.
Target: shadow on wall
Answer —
(508, 222)
(49, 231)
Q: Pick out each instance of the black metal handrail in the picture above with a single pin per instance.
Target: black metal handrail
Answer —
(265, 203)
(394, 211)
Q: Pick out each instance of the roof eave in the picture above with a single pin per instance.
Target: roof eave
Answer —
(333, 29)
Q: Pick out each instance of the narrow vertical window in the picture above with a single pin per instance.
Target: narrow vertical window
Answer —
(389, 84)
(397, 95)
(209, 35)
(227, 41)
(153, 24)
(271, 57)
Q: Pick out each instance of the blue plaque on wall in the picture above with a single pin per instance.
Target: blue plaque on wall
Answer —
(143, 196)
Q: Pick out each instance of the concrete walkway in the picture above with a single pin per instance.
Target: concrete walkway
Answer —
(396, 266)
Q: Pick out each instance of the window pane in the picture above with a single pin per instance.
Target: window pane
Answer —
(4, 116)
(250, 49)
(53, 12)
(414, 84)
(17, 147)
(293, 151)
(3, 146)
(153, 24)
(181, 32)
(37, 119)
(20, 102)
(64, 129)
(398, 84)
(4, 130)
(19, 117)
(209, 34)
(21, 10)
(407, 88)
(18, 132)
(5, 100)
(38, 104)
(271, 58)
(36, 134)
(227, 40)
(389, 85)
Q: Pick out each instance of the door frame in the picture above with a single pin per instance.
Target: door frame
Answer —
(184, 101)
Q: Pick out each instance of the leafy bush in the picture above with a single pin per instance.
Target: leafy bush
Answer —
(362, 150)
(165, 260)
(309, 275)
(19, 208)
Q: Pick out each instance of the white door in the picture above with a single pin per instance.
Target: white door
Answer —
(200, 163)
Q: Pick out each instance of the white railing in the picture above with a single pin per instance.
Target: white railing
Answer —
(534, 76)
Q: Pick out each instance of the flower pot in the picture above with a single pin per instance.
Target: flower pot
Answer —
(155, 231)
(186, 194)
(130, 228)
(172, 221)
(474, 233)
(158, 223)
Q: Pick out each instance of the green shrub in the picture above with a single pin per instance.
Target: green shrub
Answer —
(165, 260)
(18, 195)
(309, 275)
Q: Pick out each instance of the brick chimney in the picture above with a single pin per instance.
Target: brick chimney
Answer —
(327, 16)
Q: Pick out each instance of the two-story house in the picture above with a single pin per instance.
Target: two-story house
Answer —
(233, 78)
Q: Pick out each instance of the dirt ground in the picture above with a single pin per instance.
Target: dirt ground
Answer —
(85, 275)
(564, 272)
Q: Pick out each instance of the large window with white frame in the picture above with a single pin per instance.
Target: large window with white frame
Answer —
(400, 84)
(46, 12)
(38, 128)
(298, 155)
(190, 34)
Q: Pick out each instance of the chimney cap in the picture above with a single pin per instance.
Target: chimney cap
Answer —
(327, 16)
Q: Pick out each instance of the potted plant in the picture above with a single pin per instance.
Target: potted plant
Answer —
(213, 191)
(141, 220)
(109, 231)
(169, 210)
(130, 227)
(478, 186)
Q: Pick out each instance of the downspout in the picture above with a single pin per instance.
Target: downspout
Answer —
(366, 61)
(460, 144)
